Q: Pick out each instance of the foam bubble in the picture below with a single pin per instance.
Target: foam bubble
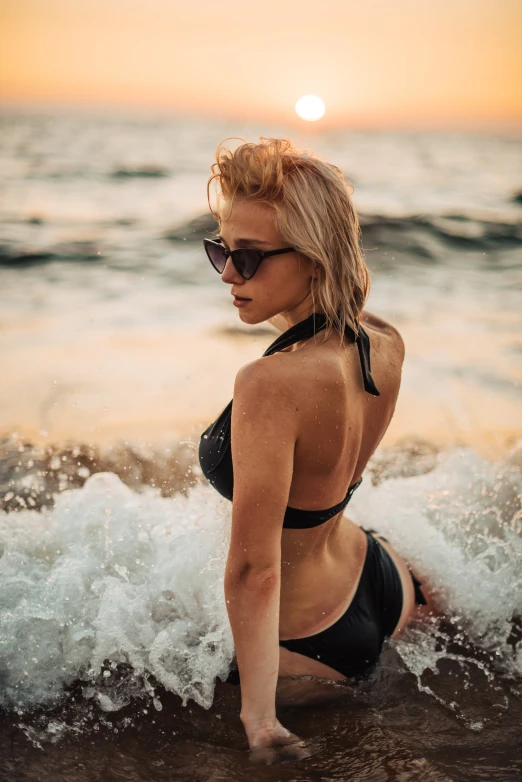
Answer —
(121, 589)
(111, 574)
(460, 528)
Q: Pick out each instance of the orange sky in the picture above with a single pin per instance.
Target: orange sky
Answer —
(411, 63)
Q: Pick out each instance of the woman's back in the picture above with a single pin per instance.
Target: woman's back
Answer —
(339, 425)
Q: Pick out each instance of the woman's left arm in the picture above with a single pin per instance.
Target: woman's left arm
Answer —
(264, 431)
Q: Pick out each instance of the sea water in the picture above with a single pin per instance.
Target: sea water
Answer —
(110, 573)
(113, 628)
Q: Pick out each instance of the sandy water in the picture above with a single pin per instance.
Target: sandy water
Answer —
(113, 635)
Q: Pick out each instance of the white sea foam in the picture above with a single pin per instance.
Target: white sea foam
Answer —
(114, 575)
(460, 527)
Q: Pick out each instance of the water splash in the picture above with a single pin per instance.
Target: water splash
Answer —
(110, 574)
(122, 591)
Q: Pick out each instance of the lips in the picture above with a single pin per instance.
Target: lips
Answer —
(241, 298)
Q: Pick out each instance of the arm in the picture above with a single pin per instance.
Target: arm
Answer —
(263, 440)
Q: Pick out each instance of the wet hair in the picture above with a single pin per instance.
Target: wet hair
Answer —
(313, 213)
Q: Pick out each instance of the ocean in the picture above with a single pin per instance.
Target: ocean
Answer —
(119, 344)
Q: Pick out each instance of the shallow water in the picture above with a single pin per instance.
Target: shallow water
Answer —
(389, 732)
(114, 639)
(114, 633)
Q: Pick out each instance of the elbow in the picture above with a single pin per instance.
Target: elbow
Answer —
(252, 578)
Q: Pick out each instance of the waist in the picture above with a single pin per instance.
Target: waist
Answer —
(319, 578)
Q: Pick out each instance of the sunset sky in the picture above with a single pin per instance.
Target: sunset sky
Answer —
(411, 63)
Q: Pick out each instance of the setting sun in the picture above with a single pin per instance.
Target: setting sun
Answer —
(310, 107)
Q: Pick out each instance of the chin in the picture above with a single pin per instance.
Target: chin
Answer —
(251, 318)
(245, 318)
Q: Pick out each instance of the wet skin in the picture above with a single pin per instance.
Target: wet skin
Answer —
(339, 427)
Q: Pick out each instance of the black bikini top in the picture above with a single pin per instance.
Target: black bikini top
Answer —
(215, 452)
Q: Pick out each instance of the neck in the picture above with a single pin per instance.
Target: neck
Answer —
(298, 313)
(307, 335)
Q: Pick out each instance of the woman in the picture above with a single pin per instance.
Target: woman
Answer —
(308, 592)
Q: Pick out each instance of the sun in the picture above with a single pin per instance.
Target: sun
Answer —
(310, 107)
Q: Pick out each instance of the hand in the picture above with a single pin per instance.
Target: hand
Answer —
(270, 743)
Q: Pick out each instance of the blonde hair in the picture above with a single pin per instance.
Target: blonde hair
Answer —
(313, 213)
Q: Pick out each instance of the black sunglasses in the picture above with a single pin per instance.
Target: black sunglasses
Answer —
(246, 262)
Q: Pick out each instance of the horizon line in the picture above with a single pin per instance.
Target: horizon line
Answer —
(360, 123)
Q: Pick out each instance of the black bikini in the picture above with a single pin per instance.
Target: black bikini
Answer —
(351, 645)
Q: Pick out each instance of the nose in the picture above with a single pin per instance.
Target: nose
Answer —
(230, 273)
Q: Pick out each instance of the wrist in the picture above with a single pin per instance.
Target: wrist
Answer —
(257, 722)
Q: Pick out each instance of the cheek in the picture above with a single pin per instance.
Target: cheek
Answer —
(280, 282)
(291, 271)
(295, 275)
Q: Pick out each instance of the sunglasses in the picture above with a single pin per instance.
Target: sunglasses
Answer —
(246, 262)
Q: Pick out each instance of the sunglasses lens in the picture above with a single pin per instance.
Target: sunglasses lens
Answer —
(216, 255)
(247, 262)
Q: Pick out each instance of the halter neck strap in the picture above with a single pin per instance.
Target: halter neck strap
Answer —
(312, 325)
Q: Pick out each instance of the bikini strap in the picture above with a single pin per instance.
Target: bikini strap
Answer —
(303, 330)
(312, 325)
(363, 344)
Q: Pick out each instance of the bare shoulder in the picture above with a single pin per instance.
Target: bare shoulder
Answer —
(373, 322)
(265, 381)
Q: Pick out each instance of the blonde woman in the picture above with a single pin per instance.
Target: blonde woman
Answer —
(308, 592)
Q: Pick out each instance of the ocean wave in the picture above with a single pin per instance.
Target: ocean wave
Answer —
(118, 591)
(424, 238)
(428, 236)
(143, 172)
(32, 475)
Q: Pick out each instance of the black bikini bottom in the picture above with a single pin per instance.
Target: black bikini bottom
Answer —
(352, 645)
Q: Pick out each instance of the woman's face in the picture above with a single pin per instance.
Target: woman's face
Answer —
(282, 283)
